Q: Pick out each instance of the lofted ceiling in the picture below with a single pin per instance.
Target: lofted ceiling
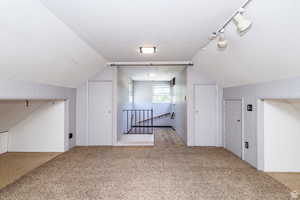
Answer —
(65, 42)
(116, 28)
(36, 46)
(269, 51)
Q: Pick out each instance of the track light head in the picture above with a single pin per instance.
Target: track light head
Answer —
(222, 42)
(242, 24)
(213, 36)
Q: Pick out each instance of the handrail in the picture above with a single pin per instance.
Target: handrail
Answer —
(138, 121)
(156, 117)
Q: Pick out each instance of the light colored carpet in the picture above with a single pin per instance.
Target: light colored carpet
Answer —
(291, 180)
(15, 165)
(168, 171)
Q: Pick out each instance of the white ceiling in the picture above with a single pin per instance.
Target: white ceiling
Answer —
(61, 42)
(151, 73)
(37, 46)
(116, 28)
(269, 51)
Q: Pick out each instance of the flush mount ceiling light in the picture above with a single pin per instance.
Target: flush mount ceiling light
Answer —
(147, 50)
(222, 43)
(242, 24)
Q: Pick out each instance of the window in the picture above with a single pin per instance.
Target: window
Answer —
(161, 93)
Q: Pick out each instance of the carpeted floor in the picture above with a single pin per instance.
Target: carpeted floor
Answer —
(168, 171)
(15, 165)
(291, 180)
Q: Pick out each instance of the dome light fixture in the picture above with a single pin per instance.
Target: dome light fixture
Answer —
(222, 42)
(148, 50)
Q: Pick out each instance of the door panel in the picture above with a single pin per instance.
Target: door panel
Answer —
(206, 122)
(233, 126)
(100, 113)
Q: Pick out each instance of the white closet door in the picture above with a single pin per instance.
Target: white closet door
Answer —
(233, 126)
(206, 123)
(100, 113)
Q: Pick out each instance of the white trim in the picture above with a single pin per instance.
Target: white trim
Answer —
(260, 135)
(115, 97)
(87, 113)
(243, 128)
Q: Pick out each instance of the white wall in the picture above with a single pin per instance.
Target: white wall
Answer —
(41, 131)
(107, 74)
(283, 89)
(81, 115)
(14, 111)
(124, 82)
(196, 77)
(180, 106)
(20, 90)
(281, 136)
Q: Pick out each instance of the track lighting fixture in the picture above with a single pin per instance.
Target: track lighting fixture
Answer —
(222, 43)
(242, 24)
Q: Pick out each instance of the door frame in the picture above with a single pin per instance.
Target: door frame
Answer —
(218, 111)
(87, 108)
(243, 123)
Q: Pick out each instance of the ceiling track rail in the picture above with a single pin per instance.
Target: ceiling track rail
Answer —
(150, 64)
(232, 16)
(225, 24)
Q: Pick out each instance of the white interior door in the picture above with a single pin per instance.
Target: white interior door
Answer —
(206, 122)
(100, 113)
(233, 126)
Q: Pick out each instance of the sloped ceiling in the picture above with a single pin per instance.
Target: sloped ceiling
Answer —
(61, 42)
(37, 46)
(116, 28)
(269, 51)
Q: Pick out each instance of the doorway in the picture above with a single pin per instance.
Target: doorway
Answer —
(205, 117)
(233, 126)
(150, 98)
(100, 113)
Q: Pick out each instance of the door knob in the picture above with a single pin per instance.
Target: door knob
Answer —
(238, 120)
